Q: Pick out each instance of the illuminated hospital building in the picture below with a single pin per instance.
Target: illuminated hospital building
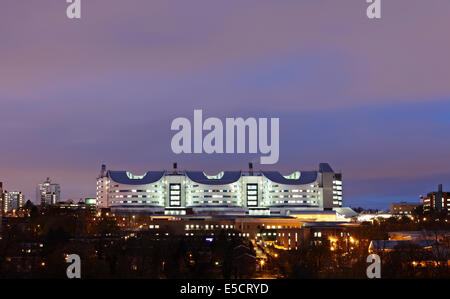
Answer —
(228, 193)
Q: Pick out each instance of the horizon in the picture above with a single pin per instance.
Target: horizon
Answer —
(382, 206)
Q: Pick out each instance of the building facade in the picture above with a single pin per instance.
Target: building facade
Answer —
(48, 193)
(2, 198)
(403, 208)
(228, 192)
(10, 201)
(14, 200)
(437, 201)
(72, 207)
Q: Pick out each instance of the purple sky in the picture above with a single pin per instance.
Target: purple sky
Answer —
(372, 98)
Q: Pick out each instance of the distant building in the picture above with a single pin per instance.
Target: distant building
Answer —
(48, 193)
(70, 206)
(10, 200)
(377, 246)
(372, 217)
(437, 201)
(403, 208)
(1, 198)
(312, 233)
(5, 202)
(442, 236)
(90, 201)
(14, 200)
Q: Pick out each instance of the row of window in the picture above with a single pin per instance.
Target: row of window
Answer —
(136, 191)
(208, 226)
(136, 196)
(312, 202)
(294, 191)
(214, 196)
(293, 196)
(137, 201)
(196, 202)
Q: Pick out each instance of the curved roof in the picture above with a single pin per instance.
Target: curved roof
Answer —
(121, 177)
(306, 177)
(228, 177)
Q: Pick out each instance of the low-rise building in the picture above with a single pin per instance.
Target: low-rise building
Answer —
(437, 201)
(403, 208)
(377, 246)
(439, 236)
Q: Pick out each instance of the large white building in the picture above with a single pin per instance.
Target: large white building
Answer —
(228, 192)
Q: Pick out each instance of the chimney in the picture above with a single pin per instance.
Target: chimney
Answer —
(250, 168)
(440, 188)
(175, 166)
(103, 171)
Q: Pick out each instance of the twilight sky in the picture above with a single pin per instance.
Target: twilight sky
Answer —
(372, 98)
